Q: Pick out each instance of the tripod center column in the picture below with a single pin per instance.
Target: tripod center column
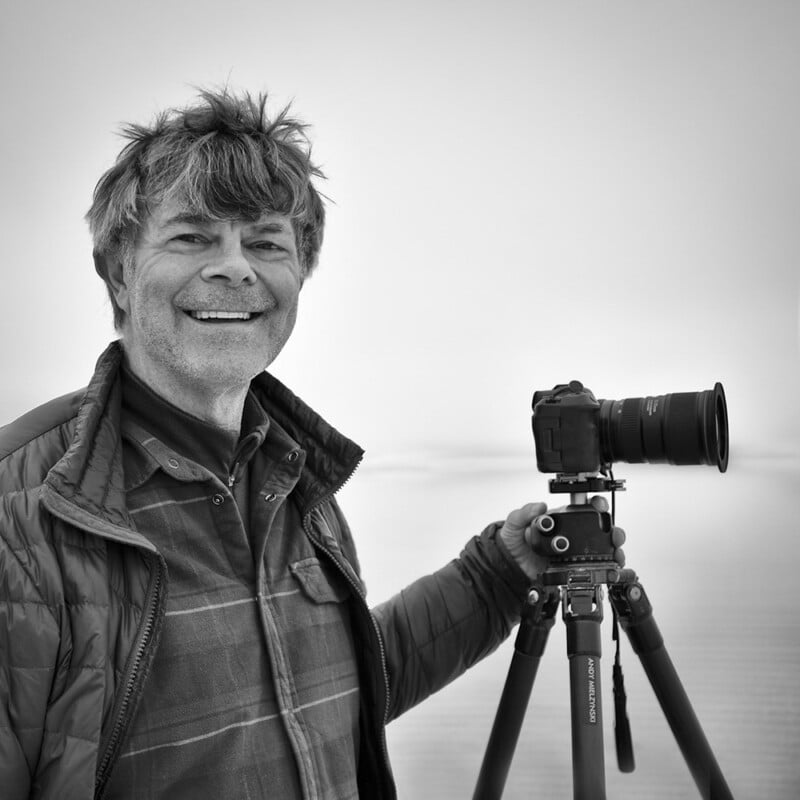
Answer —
(583, 614)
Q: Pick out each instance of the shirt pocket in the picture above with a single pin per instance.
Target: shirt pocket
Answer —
(320, 583)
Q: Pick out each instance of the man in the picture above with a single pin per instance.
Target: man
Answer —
(183, 612)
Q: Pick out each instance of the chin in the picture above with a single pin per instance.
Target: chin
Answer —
(229, 371)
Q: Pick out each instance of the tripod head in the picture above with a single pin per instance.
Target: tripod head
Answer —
(577, 539)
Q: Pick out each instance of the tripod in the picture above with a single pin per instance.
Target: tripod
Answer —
(578, 537)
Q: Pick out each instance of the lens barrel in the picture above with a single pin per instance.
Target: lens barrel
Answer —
(678, 428)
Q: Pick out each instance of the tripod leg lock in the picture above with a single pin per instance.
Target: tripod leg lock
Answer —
(636, 617)
(538, 616)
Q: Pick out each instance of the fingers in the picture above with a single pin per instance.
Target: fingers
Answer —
(618, 539)
(599, 503)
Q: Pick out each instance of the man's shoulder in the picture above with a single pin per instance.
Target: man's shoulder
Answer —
(41, 434)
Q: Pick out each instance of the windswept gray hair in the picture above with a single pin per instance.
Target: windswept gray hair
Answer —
(223, 158)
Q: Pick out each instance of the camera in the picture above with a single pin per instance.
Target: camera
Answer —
(575, 433)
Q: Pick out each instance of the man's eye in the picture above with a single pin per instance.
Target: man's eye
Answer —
(189, 238)
(265, 245)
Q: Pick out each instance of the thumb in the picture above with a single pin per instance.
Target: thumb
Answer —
(520, 518)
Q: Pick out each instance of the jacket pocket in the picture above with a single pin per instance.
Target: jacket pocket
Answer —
(319, 583)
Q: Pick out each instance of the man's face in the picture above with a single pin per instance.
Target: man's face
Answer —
(207, 302)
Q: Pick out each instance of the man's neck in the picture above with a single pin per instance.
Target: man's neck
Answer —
(222, 407)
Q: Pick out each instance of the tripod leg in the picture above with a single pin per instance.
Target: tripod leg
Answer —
(636, 618)
(537, 619)
(583, 613)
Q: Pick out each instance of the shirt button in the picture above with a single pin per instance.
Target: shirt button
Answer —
(270, 498)
(293, 456)
(173, 462)
(218, 499)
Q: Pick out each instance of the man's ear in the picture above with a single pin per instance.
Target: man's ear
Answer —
(109, 267)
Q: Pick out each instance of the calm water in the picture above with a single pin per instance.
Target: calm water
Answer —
(718, 556)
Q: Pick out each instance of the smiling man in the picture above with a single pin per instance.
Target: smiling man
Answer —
(183, 613)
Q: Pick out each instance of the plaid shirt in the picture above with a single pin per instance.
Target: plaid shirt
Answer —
(254, 689)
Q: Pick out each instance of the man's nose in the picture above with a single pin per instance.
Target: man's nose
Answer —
(229, 265)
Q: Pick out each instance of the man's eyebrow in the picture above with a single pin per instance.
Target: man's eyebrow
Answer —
(269, 227)
(186, 218)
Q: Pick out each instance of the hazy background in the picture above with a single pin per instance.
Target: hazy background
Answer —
(524, 193)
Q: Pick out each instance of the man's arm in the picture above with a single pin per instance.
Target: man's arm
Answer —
(443, 623)
(29, 639)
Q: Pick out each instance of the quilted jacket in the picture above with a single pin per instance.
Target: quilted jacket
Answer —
(83, 595)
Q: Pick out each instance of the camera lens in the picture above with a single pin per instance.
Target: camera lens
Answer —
(679, 428)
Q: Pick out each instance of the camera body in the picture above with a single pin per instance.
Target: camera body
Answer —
(566, 430)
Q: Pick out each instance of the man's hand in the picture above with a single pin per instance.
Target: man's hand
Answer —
(520, 536)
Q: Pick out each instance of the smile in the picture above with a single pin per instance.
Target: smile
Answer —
(223, 316)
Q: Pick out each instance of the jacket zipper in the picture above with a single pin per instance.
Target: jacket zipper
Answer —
(60, 507)
(145, 636)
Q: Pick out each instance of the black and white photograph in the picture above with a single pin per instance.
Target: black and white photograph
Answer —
(400, 400)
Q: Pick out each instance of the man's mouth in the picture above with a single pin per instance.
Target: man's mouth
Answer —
(223, 316)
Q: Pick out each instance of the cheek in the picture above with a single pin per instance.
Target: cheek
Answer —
(286, 291)
(282, 321)
(150, 307)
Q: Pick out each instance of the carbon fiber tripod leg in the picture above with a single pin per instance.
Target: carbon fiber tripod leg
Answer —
(537, 619)
(636, 619)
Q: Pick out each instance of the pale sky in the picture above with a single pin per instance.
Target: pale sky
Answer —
(525, 193)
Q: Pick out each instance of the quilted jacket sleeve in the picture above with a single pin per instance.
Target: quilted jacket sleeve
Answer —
(443, 623)
(29, 644)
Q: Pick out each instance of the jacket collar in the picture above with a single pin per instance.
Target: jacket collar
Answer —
(89, 475)
(331, 458)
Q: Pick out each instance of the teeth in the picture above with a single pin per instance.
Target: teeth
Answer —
(220, 314)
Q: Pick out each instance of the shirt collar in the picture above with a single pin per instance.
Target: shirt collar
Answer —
(199, 441)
